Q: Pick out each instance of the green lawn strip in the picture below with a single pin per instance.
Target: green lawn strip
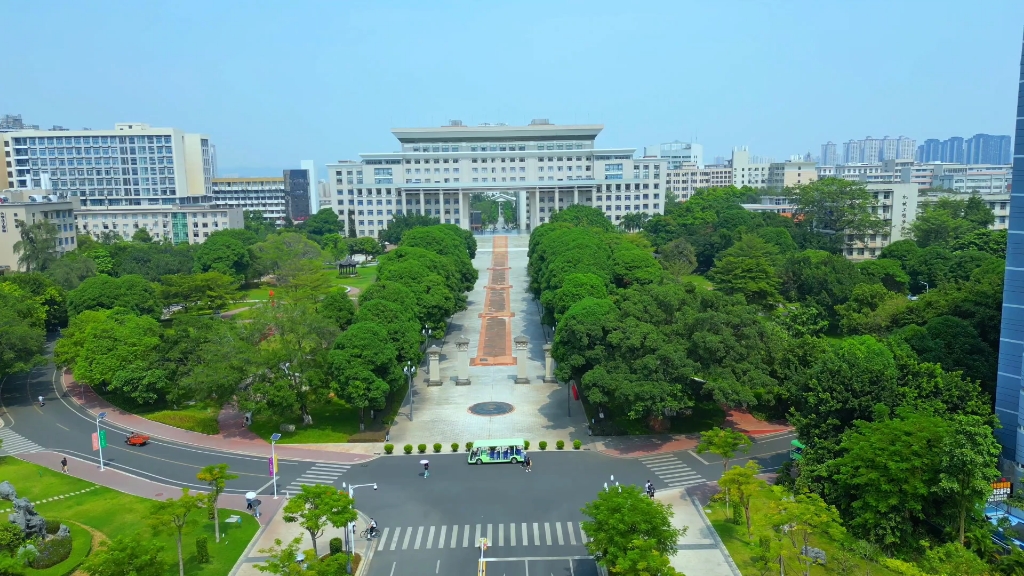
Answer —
(115, 514)
(699, 281)
(705, 415)
(258, 293)
(332, 422)
(743, 551)
(365, 275)
(199, 417)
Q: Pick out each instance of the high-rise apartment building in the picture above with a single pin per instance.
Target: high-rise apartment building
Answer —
(871, 150)
(545, 167)
(1009, 378)
(263, 193)
(132, 165)
(296, 194)
(852, 151)
(749, 170)
(793, 172)
(987, 149)
(829, 157)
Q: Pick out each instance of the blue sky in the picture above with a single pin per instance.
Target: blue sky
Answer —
(276, 82)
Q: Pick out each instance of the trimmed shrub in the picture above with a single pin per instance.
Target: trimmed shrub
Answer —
(469, 446)
(526, 444)
(455, 446)
(389, 448)
(422, 448)
(52, 526)
(51, 552)
(337, 546)
(560, 445)
(202, 550)
(577, 444)
(737, 515)
(407, 448)
(437, 447)
(543, 444)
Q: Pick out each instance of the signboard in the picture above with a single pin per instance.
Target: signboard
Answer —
(272, 465)
(103, 438)
(95, 442)
(1001, 491)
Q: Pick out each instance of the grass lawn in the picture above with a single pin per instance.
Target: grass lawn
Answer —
(333, 422)
(742, 551)
(115, 514)
(258, 293)
(365, 275)
(699, 281)
(200, 418)
(706, 415)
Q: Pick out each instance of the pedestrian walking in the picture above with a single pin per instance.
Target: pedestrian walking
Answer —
(64, 464)
(648, 487)
(41, 403)
(426, 469)
(650, 491)
(529, 463)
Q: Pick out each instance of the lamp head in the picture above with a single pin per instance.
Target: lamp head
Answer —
(374, 485)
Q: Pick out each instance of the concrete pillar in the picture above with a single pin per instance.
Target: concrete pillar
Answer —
(422, 204)
(549, 366)
(464, 210)
(535, 210)
(575, 195)
(521, 209)
(522, 345)
(434, 378)
(462, 374)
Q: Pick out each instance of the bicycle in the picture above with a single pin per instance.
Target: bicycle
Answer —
(369, 533)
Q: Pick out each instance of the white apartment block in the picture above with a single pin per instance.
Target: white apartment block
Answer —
(31, 206)
(264, 193)
(132, 165)
(546, 167)
(685, 179)
(749, 170)
(190, 224)
(895, 204)
(792, 172)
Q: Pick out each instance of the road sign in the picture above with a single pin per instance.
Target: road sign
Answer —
(95, 442)
(103, 438)
(1001, 491)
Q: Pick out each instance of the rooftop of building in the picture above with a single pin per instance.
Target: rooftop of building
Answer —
(456, 131)
(249, 179)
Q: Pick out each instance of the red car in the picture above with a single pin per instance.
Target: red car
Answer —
(136, 439)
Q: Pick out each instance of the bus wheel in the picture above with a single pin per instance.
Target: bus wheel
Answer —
(479, 461)
(513, 460)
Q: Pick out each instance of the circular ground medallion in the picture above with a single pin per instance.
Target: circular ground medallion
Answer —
(491, 408)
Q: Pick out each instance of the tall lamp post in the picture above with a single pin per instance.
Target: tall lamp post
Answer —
(273, 460)
(99, 440)
(410, 371)
(351, 532)
(616, 484)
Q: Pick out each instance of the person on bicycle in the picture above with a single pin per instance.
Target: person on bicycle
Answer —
(373, 527)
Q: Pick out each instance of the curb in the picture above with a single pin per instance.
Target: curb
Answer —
(364, 564)
(714, 534)
(252, 543)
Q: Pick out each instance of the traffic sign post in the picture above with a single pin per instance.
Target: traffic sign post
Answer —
(100, 437)
(481, 570)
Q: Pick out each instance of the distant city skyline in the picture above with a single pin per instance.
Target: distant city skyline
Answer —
(370, 67)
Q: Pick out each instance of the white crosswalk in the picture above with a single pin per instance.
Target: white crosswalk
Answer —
(319, 474)
(671, 471)
(509, 534)
(14, 443)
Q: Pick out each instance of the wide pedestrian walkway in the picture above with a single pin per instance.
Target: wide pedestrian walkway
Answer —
(498, 534)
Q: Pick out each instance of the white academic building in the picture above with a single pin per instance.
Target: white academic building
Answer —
(545, 167)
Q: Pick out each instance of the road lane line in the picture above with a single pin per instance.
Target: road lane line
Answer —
(583, 534)
(408, 534)
(430, 538)
(501, 534)
(526, 539)
(465, 536)
(383, 539)
(695, 455)
(547, 534)
(558, 532)
(419, 536)
(536, 534)
(572, 533)
(393, 568)
(395, 541)
(438, 569)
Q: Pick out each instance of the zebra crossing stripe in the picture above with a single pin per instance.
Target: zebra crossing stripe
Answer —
(430, 538)
(440, 538)
(657, 459)
(547, 534)
(383, 539)
(526, 539)
(394, 541)
(465, 536)
(558, 532)
(512, 534)
(489, 540)
(419, 536)
(536, 534)
(455, 535)
(501, 534)
(583, 535)
(572, 533)
(405, 543)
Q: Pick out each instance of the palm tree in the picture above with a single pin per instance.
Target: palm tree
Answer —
(38, 245)
(634, 221)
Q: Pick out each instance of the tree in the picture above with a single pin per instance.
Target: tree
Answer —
(724, 442)
(174, 512)
(336, 245)
(52, 298)
(633, 265)
(951, 558)
(744, 482)
(678, 257)
(130, 555)
(366, 246)
(133, 293)
(71, 269)
(212, 290)
(954, 344)
(256, 223)
(583, 216)
(282, 559)
(224, 254)
(836, 206)
(805, 515)
(747, 269)
(969, 455)
(576, 287)
(642, 559)
(318, 506)
(22, 332)
(888, 273)
(283, 254)
(942, 222)
(142, 236)
(324, 222)
(364, 366)
(216, 477)
(37, 248)
(401, 223)
(338, 307)
(624, 519)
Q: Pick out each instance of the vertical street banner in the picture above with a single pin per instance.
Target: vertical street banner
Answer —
(272, 465)
(103, 438)
(95, 442)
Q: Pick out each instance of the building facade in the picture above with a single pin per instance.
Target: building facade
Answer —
(677, 153)
(987, 149)
(829, 156)
(31, 206)
(265, 194)
(296, 194)
(793, 172)
(871, 150)
(132, 165)
(685, 179)
(190, 223)
(546, 167)
(749, 170)
(1009, 378)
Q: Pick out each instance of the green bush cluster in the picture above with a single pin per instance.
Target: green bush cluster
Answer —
(51, 552)
(577, 444)
(560, 444)
(389, 448)
(407, 448)
(437, 447)
(543, 444)
(422, 448)
(455, 446)
(202, 550)
(336, 545)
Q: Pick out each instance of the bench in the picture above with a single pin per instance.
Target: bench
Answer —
(234, 520)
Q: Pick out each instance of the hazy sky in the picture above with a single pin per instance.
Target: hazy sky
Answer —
(276, 82)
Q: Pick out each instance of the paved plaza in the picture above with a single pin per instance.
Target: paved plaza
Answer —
(500, 308)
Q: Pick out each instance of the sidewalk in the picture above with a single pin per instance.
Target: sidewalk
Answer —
(700, 546)
(276, 528)
(233, 437)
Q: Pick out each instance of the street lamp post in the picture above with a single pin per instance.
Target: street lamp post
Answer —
(410, 371)
(99, 442)
(273, 459)
(351, 532)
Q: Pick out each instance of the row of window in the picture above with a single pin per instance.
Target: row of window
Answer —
(500, 147)
(86, 140)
